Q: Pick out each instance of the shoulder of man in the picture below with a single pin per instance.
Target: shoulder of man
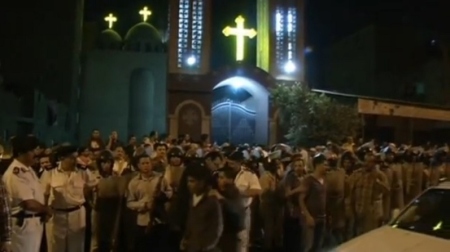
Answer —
(247, 170)
(17, 170)
(212, 200)
(134, 179)
(20, 171)
(158, 175)
(307, 178)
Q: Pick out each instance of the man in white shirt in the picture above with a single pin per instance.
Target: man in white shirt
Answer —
(248, 184)
(65, 188)
(26, 197)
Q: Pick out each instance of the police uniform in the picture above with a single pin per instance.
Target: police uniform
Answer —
(22, 184)
(107, 207)
(67, 227)
(173, 174)
(245, 180)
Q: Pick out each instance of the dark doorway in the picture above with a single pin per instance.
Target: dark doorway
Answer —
(240, 112)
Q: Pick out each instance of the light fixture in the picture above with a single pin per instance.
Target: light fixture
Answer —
(289, 67)
(191, 60)
(236, 84)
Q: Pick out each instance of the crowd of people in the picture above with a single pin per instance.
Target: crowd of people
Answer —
(162, 194)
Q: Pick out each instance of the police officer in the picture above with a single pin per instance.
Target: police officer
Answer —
(65, 186)
(26, 196)
(107, 206)
(248, 184)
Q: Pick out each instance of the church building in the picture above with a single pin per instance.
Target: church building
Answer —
(135, 75)
(124, 81)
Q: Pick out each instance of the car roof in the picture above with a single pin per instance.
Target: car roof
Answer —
(443, 185)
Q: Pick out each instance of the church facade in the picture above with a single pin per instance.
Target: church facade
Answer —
(229, 103)
(232, 103)
(124, 82)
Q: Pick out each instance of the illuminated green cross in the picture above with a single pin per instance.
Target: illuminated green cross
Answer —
(240, 32)
(111, 20)
(145, 13)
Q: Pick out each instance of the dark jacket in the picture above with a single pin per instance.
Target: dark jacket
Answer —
(180, 204)
(204, 225)
(233, 210)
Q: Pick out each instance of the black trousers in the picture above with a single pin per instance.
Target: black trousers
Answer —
(43, 247)
(292, 235)
(174, 241)
(143, 241)
(155, 240)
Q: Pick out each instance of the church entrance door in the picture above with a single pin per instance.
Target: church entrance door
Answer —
(240, 112)
(233, 122)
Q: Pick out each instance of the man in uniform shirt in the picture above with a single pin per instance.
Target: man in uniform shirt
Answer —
(248, 184)
(26, 197)
(65, 188)
(107, 206)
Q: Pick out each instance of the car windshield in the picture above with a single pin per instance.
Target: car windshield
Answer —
(429, 214)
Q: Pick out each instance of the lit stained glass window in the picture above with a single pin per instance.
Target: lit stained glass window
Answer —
(286, 35)
(197, 30)
(183, 31)
(190, 33)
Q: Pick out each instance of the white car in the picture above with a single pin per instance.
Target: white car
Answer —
(423, 226)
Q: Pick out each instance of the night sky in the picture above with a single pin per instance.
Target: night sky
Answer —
(327, 21)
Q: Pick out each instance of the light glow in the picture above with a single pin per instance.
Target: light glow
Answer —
(240, 32)
(145, 13)
(239, 82)
(290, 67)
(236, 84)
(309, 49)
(290, 22)
(191, 61)
(278, 21)
(111, 19)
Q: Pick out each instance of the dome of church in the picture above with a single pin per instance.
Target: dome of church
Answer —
(109, 39)
(143, 33)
